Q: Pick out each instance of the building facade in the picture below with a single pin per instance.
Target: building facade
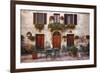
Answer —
(54, 29)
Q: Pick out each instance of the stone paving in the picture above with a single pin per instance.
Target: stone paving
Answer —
(28, 58)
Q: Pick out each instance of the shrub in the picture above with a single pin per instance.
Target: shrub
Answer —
(74, 50)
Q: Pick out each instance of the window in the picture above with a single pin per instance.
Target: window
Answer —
(40, 18)
(56, 18)
(70, 19)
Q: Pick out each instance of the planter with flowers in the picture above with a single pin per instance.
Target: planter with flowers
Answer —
(51, 19)
(39, 26)
(34, 53)
(74, 51)
(70, 26)
(56, 26)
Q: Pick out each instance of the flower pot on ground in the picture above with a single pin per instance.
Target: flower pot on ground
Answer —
(74, 51)
(34, 55)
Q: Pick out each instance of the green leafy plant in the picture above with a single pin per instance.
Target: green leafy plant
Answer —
(32, 38)
(76, 37)
(70, 26)
(74, 51)
(62, 18)
(56, 26)
(39, 26)
(34, 52)
(51, 18)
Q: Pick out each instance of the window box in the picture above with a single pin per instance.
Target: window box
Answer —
(70, 26)
(56, 26)
(39, 26)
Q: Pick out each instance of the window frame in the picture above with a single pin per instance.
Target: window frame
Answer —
(70, 19)
(36, 18)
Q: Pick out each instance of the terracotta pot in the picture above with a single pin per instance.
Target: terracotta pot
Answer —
(74, 54)
(34, 55)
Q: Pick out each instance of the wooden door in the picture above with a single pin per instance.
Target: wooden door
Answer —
(70, 39)
(56, 40)
(39, 41)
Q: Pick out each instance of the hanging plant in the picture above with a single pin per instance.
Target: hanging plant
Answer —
(64, 37)
(51, 18)
(62, 18)
(22, 38)
(87, 37)
(39, 26)
(32, 38)
(76, 37)
(29, 34)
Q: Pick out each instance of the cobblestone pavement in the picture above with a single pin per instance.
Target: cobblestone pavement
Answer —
(28, 58)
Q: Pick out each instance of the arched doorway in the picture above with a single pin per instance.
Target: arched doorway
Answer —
(56, 40)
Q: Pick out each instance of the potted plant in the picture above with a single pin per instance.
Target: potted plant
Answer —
(62, 18)
(74, 51)
(76, 37)
(39, 26)
(51, 18)
(56, 26)
(32, 38)
(70, 26)
(34, 53)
